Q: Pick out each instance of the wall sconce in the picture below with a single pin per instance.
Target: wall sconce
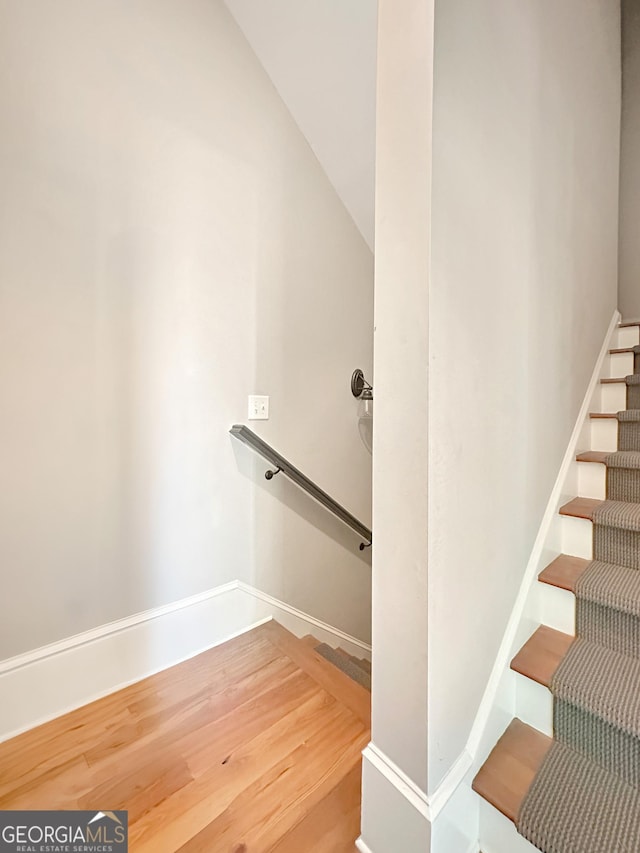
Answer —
(363, 392)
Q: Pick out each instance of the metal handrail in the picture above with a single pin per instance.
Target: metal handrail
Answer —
(248, 436)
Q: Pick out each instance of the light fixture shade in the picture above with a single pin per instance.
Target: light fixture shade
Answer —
(365, 405)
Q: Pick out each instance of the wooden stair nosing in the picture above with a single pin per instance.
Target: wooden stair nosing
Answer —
(580, 508)
(618, 380)
(542, 654)
(620, 350)
(593, 456)
(507, 774)
(564, 572)
(629, 324)
(603, 415)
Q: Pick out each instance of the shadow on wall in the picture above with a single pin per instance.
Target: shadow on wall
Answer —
(280, 489)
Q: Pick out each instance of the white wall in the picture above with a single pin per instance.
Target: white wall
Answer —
(524, 272)
(629, 293)
(168, 245)
(321, 57)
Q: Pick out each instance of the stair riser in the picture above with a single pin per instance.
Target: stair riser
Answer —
(623, 485)
(621, 547)
(626, 337)
(577, 537)
(558, 609)
(498, 834)
(632, 398)
(610, 628)
(604, 434)
(534, 704)
(620, 364)
(613, 398)
(592, 480)
(590, 735)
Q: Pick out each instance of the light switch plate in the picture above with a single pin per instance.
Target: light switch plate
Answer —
(258, 408)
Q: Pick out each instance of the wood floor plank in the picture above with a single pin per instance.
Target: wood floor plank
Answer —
(333, 825)
(347, 691)
(266, 810)
(215, 791)
(259, 739)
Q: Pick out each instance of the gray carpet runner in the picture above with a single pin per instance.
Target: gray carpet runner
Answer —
(585, 809)
(586, 795)
(346, 664)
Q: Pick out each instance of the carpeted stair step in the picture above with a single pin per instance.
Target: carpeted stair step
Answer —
(616, 533)
(623, 482)
(608, 606)
(633, 391)
(575, 806)
(536, 782)
(596, 709)
(508, 773)
(629, 429)
(345, 663)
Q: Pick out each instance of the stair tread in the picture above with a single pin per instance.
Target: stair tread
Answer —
(593, 675)
(507, 774)
(593, 456)
(620, 350)
(541, 655)
(564, 572)
(629, 324)
(618, 380)
(607, 415)
(580, 508)
(345, 664)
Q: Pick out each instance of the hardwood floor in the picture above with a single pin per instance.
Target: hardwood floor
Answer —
(251, 747)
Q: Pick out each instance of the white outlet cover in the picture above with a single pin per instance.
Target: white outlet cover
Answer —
(258, 408)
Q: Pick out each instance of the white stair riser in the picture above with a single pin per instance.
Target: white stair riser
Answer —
(592, 480)
(620, 364)
(577, 537)
(558, 609)
(627, 337)
(498, 834)
(534, 704)
(613, 397)
(604, 434)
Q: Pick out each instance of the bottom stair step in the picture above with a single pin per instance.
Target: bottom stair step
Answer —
(560, 801)
(345, 663)
(507, 774)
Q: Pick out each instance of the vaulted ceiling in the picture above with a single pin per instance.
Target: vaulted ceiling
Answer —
(321, 57)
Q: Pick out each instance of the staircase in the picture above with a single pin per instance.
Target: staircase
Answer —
(358, 669)
(578, 791)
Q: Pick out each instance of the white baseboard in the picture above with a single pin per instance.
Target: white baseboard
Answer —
(394, 801)
(300, 623)
(42, 684)
(396, 816)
